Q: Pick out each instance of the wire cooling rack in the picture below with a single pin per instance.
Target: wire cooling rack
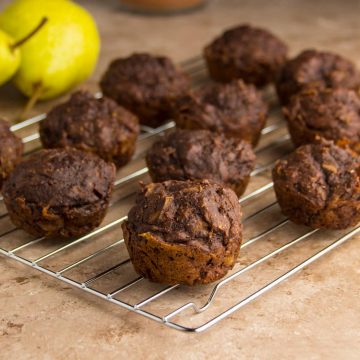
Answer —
(274, 249)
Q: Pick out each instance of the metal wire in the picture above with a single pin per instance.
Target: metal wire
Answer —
(195, 67)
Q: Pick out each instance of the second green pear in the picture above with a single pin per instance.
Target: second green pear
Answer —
(62, 54)
(9, 58)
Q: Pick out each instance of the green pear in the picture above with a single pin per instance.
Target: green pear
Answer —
(9, 58)
(61, 55)
(10, 55)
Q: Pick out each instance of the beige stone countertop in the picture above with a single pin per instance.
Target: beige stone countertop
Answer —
(314, 315)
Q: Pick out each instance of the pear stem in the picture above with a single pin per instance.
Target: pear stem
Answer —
(38, 88)
(20, 42)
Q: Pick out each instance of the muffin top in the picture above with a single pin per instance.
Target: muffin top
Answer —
(90, 124)
(320, 173)
(249, 48)
(200, 154)
(316, 69)
(60, 178)
(11, 149)
(141, 78)
(235, 108)
(193, 213)
(331, 113)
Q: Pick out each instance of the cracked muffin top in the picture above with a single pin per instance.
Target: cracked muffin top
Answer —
(57, 179)
(312, 68)
(320, 174)
(250, 53)
(200, 154)
(146, 85)
(96, 125)
(194, 213)
(330, 113)
(236, 109)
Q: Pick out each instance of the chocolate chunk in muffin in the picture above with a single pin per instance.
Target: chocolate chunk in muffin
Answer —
(333, 114)
(59, 193)
(99, 126)
(146, 85)
(312, 68)
(186, 232)
(11, 149)
(201, 154)
(235, 109)
(245, 52)
(318, 185)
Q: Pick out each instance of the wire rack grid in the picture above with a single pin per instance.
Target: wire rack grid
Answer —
(98, 263)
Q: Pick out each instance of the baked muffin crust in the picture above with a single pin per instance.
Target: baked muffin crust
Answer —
(186, 232)
(244, 52)
(201, 154)
(11, 149)
(59, 193)
(333, 114)
(318, 185)
(95, 125)
(147, 85)
(235, 109)
(312, 68)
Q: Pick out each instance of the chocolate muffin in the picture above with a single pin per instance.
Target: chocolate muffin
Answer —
(201, 154)
(146, 85)
(59, 193)
(333, 114)
(245, 52)
(186, 232)
(235, 109)
(95, 125)
(11, 149)
(313, 68)
(318, 185)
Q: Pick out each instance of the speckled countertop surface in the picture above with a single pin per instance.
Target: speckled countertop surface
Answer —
(315, 315)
